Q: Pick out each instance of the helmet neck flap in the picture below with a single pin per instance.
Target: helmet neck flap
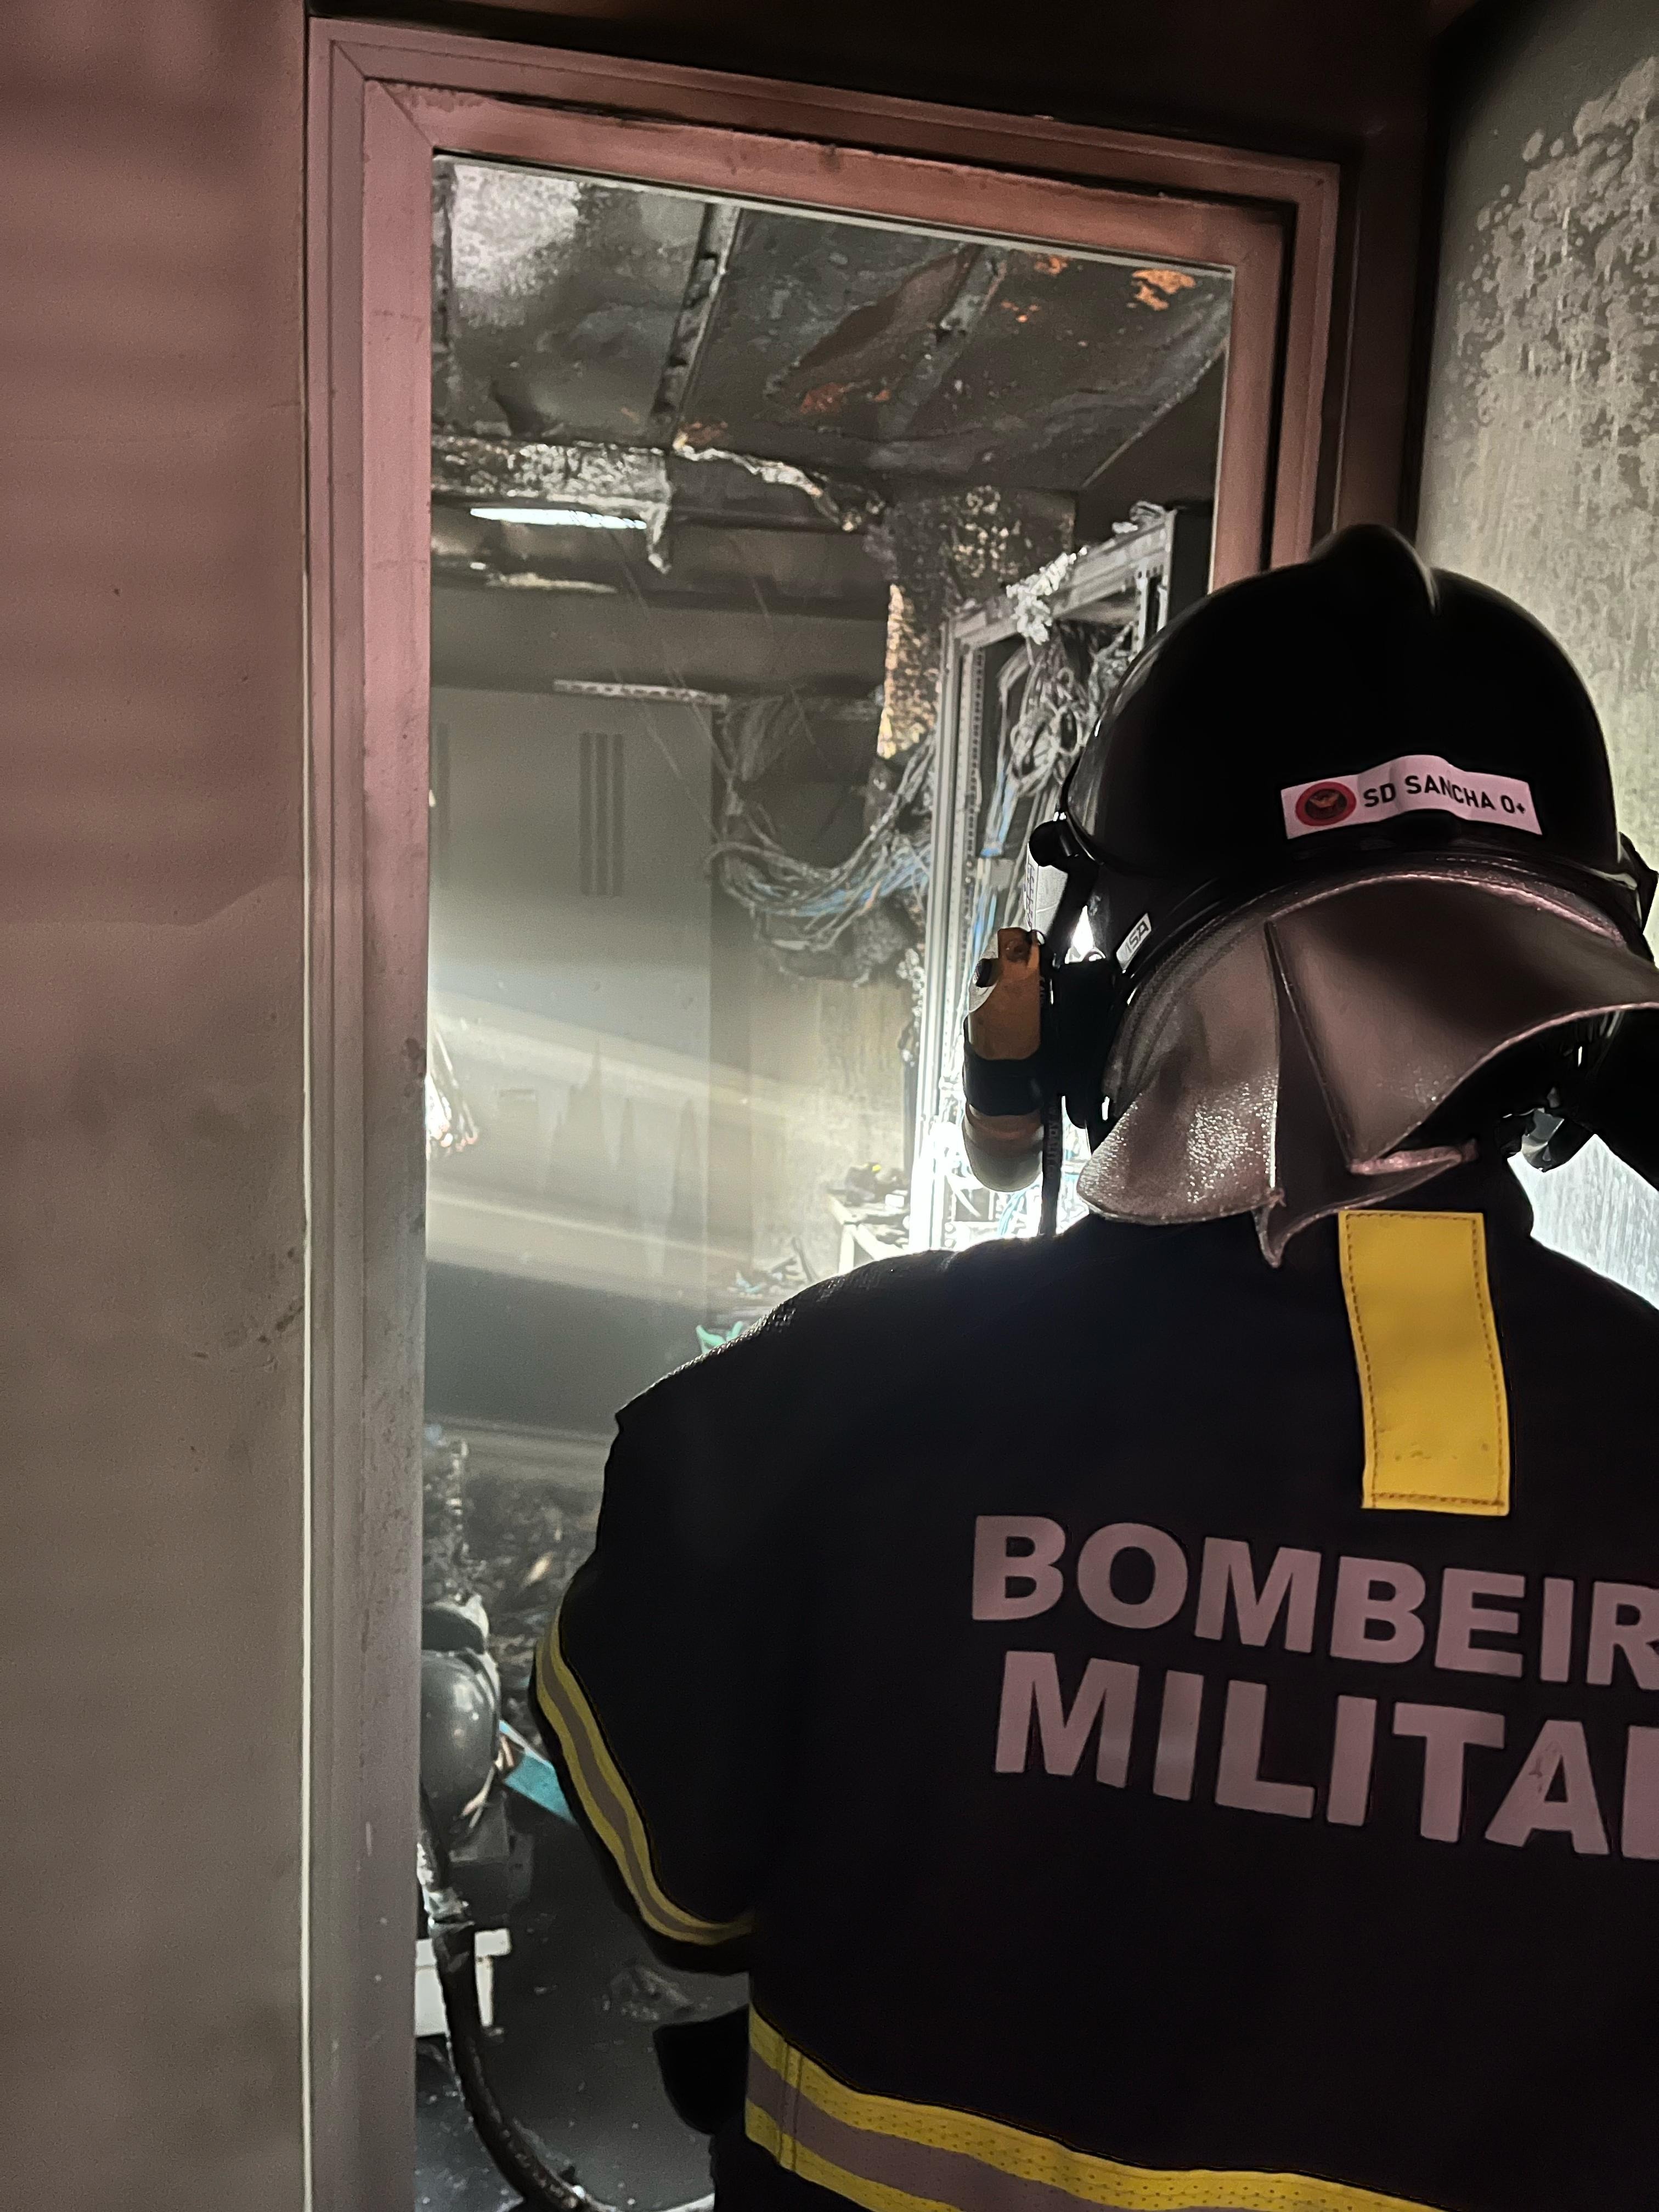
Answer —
(1301, 1055)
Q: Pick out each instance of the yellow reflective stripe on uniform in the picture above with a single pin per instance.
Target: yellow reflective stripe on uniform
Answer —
(890, 2156)
(609, 1806)
(1430, 1373)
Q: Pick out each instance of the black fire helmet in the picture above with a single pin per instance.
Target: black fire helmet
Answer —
(1312, 680)
(1357, 712)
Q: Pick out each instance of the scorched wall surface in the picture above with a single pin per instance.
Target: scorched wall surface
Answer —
(1542, 468)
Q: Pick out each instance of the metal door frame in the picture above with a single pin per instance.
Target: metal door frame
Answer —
(382, 101)
(1136, 570)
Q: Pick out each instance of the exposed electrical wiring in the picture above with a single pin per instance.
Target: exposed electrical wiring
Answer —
(852, 920)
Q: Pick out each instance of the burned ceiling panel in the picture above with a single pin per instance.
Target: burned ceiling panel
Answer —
(762, 447)
(748, 566)
(576, 311)
(689, 449)
(562, 299)
(847, 348)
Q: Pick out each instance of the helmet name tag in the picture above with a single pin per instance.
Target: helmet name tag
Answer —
(1416, 782)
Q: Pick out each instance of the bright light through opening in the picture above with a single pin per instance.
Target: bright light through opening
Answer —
(558, 517)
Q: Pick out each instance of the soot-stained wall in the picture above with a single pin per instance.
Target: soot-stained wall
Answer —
(1541, 448)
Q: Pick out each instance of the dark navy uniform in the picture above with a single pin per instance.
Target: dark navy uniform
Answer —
(997, 1655)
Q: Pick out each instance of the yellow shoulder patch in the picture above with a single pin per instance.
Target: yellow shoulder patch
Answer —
(1431, 1374)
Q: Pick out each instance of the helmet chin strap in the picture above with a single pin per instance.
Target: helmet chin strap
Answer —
(1054, 1155)
(1614, 1095)
(1052, 846)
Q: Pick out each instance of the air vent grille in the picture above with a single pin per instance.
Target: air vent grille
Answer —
(602, 813)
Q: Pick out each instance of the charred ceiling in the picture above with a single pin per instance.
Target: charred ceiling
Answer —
(692, 370)
(755, 457)
(573, 312)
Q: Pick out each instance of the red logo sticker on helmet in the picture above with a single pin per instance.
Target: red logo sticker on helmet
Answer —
(1323, 806)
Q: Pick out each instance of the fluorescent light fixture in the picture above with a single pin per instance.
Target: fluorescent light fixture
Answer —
(558, 517)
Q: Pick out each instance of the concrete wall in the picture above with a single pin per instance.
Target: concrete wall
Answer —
(1541, 469)
(151, 1225)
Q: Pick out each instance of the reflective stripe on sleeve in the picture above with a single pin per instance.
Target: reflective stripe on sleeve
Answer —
(1430, 1373)
(890, 2156)
(608, 1804)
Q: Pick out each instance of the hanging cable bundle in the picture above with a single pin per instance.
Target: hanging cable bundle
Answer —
(852, 918)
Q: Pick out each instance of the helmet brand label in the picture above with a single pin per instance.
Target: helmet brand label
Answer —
(1133, 943)
(1415, 783)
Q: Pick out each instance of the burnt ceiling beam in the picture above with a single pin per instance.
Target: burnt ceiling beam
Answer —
(839, 499)
(627, 481)
(945, 343)
(819, 525)
(703, 290)
(623, 480)
(792, 606)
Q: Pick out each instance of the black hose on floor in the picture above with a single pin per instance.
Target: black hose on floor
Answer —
(449, 1924)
